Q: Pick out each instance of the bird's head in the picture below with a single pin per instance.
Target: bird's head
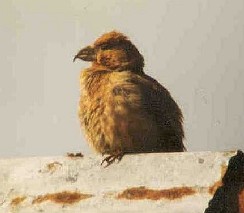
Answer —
(115, 52)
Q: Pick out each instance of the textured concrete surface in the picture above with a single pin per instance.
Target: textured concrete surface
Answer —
(177, 183)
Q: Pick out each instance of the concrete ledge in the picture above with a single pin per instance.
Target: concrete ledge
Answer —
(157, 182)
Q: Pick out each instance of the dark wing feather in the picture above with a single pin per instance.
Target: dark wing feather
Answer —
(158, 102)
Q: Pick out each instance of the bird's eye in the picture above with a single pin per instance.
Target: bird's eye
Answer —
(103, 47)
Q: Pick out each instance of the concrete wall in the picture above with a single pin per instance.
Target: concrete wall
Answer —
(170, 183)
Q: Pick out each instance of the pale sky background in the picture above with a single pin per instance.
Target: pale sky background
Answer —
(195, 48)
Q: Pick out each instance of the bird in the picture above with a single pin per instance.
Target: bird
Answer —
(122, 110)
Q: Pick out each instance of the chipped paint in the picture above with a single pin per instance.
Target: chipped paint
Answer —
(229, 153)
(52, 167)
(72, 178)
(140, 193)
(200, 160)
(16, 201)
(64, 197)
(75, 155)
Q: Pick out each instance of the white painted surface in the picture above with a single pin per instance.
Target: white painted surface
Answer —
(31, 177)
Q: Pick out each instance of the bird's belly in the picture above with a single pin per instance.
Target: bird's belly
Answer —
(109, 129)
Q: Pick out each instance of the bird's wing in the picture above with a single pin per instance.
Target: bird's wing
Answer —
(144, 112)
(127, 123)
(158, 102)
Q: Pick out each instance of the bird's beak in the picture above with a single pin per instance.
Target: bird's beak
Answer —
(86, 54)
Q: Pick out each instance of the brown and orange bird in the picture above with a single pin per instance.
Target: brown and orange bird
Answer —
(121, 109)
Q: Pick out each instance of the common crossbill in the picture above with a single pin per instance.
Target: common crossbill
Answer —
(122, 110)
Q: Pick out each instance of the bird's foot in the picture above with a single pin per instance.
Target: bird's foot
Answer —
(111, 159)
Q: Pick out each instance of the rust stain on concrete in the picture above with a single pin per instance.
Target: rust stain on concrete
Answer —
(64, 197)
(212, 189)
(241, 201)
(18, 200)
(140, 193)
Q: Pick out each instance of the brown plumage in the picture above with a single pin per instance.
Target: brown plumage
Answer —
(121, 109)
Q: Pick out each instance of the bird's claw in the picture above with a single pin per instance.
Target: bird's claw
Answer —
(111, 159)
